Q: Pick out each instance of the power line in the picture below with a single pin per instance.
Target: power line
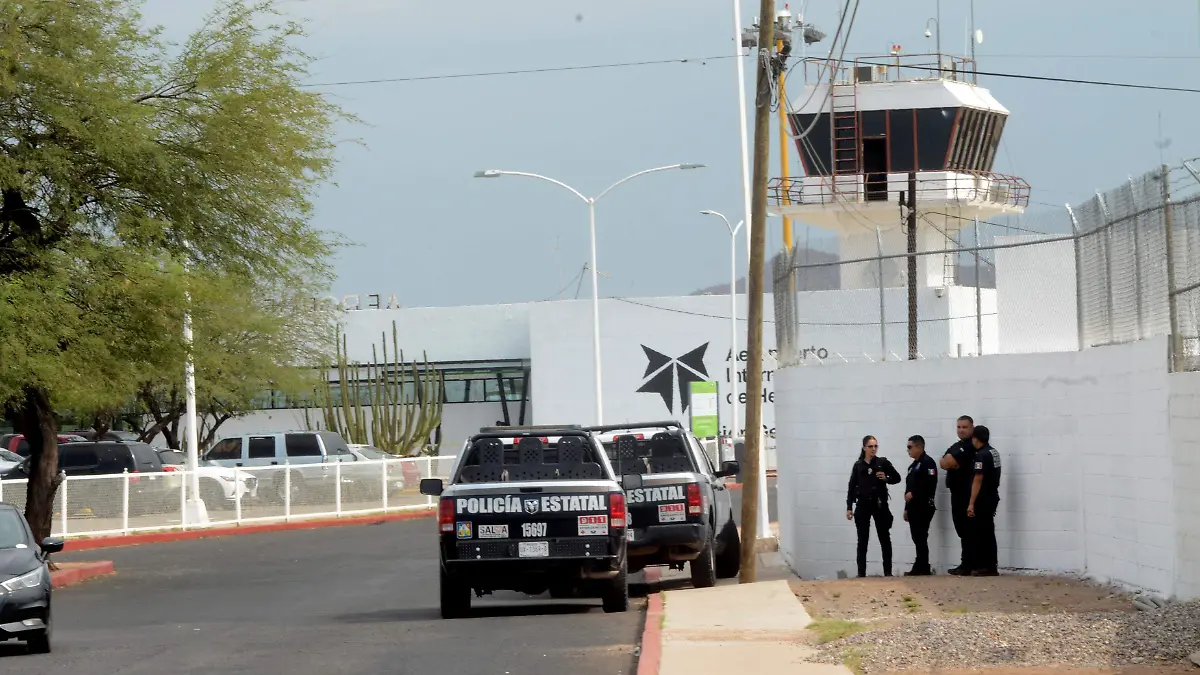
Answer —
(798, 323)
(521, 71)
(1047, 78)
(1110, 57)
(703, 59)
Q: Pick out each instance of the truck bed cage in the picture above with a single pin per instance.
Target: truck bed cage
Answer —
(665, 424)
(518, 430)
(506, 432)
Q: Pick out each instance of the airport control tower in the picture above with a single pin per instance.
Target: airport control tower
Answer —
(865, 129)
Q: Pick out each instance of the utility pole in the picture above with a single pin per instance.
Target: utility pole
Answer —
(912, 265)
(754, 291)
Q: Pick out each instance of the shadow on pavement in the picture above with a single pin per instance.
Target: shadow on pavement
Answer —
(14, 649)
(479, 610)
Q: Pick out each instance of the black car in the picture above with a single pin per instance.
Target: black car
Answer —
(24, 582)
(530, 511)
(149, 488)
(682, 512)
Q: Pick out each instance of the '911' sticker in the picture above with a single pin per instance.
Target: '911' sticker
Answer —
(593, 526)
(671, 513)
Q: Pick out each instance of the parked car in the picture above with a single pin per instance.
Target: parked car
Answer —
(24, 582)
(148, 488)
(401, 475)
(110, 435)
(308, 455)
(8, 461)
(218, 486)
(17, 444)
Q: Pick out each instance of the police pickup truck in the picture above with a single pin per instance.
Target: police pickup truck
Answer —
(531, 510)
(681, 512)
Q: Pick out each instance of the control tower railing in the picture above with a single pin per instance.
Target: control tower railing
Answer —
(932, 187)
(892, 68)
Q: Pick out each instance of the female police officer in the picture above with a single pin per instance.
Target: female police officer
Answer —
(868, 488)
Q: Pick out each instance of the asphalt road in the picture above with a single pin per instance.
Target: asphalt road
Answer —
(336, 600)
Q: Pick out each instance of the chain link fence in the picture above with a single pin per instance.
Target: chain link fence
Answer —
(1121, 266)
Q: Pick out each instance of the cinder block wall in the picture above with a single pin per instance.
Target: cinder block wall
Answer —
(1185, 447)
(1089, 478)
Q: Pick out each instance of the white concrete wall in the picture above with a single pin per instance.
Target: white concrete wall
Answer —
(1083, 435)
(1185, 446)
(562, 380)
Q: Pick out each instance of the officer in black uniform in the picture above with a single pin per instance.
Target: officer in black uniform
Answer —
(868, 489)
(957, 462)
(981, 509)
(920, 487)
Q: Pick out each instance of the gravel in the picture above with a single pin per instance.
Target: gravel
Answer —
(1165, 635)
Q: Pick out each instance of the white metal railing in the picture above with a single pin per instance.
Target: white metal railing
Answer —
(129, 503)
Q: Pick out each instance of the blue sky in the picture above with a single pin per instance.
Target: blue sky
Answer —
(430, 233)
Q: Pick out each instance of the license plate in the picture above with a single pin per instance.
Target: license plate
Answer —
(671, 513)
(493, 532)
(533, 549)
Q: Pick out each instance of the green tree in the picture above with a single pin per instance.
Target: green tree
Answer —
(123, 157)
(248, 341)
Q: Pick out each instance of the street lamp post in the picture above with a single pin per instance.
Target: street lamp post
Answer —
(733, 230)
(591, 202)
(195, 512)
(764, 518)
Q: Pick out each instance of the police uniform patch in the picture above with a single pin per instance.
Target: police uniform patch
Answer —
(933, 472)
(978, 466)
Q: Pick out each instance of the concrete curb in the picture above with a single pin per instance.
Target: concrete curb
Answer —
(650, 656)
(188, 535)
(74, 573)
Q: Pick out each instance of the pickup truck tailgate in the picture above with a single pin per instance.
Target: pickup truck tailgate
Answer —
(551, 523)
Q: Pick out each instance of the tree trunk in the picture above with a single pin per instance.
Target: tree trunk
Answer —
(102, 424)
(41, 431)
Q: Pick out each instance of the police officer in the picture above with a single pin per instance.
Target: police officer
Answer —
(868, 489)
(957, 462)
(920, 487)
(981, 509)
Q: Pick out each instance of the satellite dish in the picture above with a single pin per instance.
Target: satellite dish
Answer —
(978, 36)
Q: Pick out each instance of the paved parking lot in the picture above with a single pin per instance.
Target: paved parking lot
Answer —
(359, 599)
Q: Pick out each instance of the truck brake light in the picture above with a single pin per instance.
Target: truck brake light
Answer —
(616, 511)
(693, 500)
(446, 514)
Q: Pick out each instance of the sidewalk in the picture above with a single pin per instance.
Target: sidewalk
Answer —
(750, 628)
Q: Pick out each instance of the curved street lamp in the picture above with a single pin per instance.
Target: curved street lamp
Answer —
(591, 202)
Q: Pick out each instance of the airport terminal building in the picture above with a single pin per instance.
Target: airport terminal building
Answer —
(531, 363)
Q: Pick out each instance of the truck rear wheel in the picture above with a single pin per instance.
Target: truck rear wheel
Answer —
(616, 596)
(729, 561)
(456, 597)
(704, 568)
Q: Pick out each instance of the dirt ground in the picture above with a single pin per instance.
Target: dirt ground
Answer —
(900, 611)
(882, 598)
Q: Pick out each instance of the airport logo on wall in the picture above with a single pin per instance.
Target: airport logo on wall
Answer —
(665, 375)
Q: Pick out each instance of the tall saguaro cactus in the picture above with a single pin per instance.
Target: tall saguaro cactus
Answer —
(405, 399)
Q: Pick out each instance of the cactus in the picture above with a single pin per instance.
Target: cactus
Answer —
(402, 418)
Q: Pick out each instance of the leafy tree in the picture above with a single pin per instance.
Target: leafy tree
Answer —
(123, 157)
(245, 345)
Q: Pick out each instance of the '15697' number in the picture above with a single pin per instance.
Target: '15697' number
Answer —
(533, 529)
